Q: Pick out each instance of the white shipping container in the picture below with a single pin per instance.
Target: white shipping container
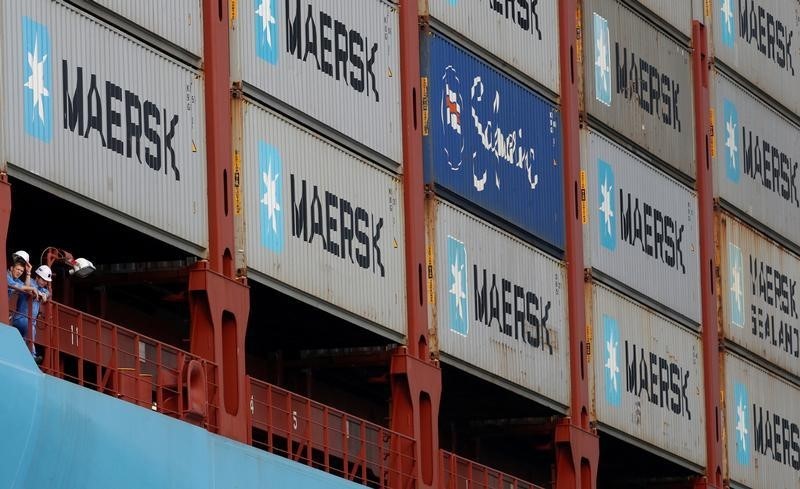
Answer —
(759, 40)
(756, 155)
(677, 13)
(94, 111)
(639, 82)
(321, 220)
(647, 375)
(177, 21)
(762, 427)
(758, 280)
(335, 61)
(522, 33)
(642, 224)
(497, 304)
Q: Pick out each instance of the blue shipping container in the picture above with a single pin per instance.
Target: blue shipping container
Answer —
(491, 141)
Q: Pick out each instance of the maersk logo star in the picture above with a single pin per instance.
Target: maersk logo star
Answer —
(728, 23)
(607, 227)
(742, 433)
(37, 80)
(266, 30)
(736, 298)
(458, 302)
(271, 185)
(731, 122)
(613, 382)
(602, 61)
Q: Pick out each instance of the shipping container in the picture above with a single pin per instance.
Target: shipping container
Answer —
(642, 224)
(758, 280)
(321, 221)
(678, 13)
(83, 110)
(758, 39)
(646, 374)
(337, 62)
(756, 153)
(522, 33)
(638, 82)
(497, 304)
(505, 157)
(762, 427)
(177, 21)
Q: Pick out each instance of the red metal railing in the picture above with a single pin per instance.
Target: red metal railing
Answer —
(306, 431)
(100, 355)
(459, 473)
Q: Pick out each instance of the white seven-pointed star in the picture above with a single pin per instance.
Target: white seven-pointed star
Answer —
(726, 11)
(611, 363)
(741, 411)
(456, 270)
(270, 198)
(36, 81)
(601, 60)
(605, 207)
(736, 286)
(730, 141)
(265, 12)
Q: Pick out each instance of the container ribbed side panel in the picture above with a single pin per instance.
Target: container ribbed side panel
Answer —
(321, 220)
(646, 375)
(497, 304)
(114, 122)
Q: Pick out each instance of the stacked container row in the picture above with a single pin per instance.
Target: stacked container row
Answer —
(755, 150)
(495, 224)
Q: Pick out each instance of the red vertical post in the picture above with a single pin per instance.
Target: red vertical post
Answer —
(577, 446)
(219, 301)
(705, 202)
(5, 218)
(415, 378)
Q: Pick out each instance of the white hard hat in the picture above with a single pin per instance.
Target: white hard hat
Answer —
(24, 255)
(45, 272)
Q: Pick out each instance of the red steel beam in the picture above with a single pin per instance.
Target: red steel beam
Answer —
(5, 217)
(219, 302)
(577, 446)
(705, 201)
(415, 378)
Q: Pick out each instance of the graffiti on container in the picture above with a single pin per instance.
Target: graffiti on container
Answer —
(334, 48)
(642, 225)
(521, 13)
(492, 144)
(639, 81)
(319, 216)
(762, 29)
(773, 304)
(750, 152)
(649, 377)
(511, 309)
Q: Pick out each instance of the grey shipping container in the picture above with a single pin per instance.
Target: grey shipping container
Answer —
(523, 34)
(322, 221)
(758, 39)
(642, 224)
(646, 374)
(758, 281)
(177, 21)
(756, 155)
(638, 82)
(118, 125)
(678, 13)
(762, 427)
(337, 62)
(497, 304)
